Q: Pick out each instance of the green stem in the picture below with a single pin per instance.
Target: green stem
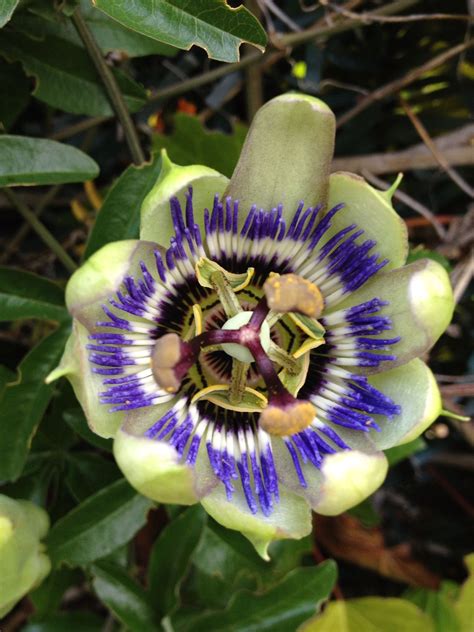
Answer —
(111, 87)
(452, 415)
(41, 230)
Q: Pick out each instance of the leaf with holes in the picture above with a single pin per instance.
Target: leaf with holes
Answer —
(210, 24)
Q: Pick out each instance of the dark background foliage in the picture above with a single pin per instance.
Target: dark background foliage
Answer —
(401, 87)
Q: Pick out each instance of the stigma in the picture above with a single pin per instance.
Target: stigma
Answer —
(246, 337)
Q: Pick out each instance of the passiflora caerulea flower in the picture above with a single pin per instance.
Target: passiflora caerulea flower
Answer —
(256, 350)
(23, 561)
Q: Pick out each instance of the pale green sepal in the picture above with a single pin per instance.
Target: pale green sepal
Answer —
(413, 387)
(76, 367)
(344, 479)
(174, 181)
(23, 562)
(291, 518)
(286, 157)
(389, 193)
(420, 307)
(348, 479)
(102, 275)
(371, 210)
(152, 468)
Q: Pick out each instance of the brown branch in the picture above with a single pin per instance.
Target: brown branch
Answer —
(395, 86)
(396, 161)
(369, 17)
(410, 202)
(437, 155)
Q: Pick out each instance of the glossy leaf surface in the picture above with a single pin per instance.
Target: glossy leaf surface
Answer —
(210, 24)
(27, 161)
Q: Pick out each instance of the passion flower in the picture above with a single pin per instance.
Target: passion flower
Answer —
(256, 350)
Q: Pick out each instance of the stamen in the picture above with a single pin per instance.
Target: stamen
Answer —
(292, 293)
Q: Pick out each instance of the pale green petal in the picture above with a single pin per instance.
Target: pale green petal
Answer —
(413, 387)
(420, 305)
(75, 365)
(345, 478)
(348, 479)
(23, 562)
(371, 210)
(152, 468)
(174, 181)
(287, 155)
(291, 518)
(101, 276)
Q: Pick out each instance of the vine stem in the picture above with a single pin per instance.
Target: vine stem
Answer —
(113, 91)
(40, 230)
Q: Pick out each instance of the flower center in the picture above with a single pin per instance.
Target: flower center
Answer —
(245, 336)
(240, 351)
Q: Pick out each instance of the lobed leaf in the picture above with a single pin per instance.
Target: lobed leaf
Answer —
(65, 76)
(210, 24)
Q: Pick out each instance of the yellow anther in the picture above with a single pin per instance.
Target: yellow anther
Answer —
(289, 420)
(292, 293)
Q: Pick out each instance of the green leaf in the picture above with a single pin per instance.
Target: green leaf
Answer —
(99, 525)
(125, 598)
(47, 597)
(27, 161)
(424, 253)
(370, 614)
(191, 143)
(464, 606)
(171, 557)
(70, 621)
(6, 10)
(400, 452)
(119, 216)
(24, 403)
(6, 376)
(283, 608)
(26, 295)
(65, 76)
(437, 606)
(225, 562)
(15, 92)
(87, 472)
(109, 34)
(76, 420)
(211, 24)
